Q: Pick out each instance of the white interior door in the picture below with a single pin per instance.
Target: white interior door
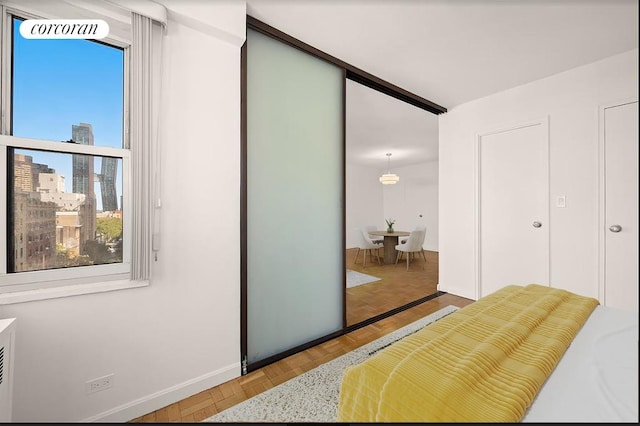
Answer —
(513, 207)
(621, 206)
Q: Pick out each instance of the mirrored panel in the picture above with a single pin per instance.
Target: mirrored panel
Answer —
(386, 136)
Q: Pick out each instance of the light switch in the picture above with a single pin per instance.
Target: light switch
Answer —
(561, 201)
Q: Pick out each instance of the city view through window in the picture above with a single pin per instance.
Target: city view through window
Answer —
(65, 208)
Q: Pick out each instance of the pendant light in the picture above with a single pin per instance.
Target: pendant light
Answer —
(389, 178)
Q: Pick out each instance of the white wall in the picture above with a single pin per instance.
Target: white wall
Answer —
(413, 201)
(365, 205)
(181, 334)
(571, 100)
(370, 203)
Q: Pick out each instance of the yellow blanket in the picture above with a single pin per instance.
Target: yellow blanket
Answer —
(483, 363)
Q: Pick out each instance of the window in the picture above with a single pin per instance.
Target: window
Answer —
(65, 201)
(80, 222)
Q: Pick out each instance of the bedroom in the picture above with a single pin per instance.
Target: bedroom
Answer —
(187, 322)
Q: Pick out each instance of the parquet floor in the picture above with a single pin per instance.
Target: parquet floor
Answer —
(398, 286)
(211, 401)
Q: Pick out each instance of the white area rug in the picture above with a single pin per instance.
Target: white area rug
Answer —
(313, 396)
(358, 278)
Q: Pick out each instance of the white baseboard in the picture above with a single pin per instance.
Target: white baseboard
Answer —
(161, 399)
(456, 291)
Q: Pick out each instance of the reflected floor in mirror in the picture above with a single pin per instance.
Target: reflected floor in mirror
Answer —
(396, 286)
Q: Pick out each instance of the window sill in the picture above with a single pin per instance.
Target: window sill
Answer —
(66, 291)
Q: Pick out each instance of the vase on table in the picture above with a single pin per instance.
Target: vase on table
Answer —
(390, 223)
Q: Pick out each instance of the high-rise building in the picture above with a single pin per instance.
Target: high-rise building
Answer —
(50, 183)
(33, 220)
(26, 172)
(108, 184)
(51, 188)
(83, 181)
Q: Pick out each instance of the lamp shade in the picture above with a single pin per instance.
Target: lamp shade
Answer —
(389, 179)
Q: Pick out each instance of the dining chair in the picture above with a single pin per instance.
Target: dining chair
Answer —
(413, 245)
(373, 228)
(418, 228)
(364, 242)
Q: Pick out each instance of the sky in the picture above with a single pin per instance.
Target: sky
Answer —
(59, 83)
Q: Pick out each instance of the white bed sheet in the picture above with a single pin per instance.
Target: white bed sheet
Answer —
(596, 380)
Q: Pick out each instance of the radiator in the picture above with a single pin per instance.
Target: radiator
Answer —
(7, 343)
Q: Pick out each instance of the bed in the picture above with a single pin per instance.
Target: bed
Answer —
(522, 354)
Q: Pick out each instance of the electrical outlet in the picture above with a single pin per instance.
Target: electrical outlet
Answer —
(101, 383)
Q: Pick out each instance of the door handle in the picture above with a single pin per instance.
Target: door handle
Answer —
(537, 224)
(615, 228)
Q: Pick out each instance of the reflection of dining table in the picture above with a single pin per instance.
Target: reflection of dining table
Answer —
(390, 242)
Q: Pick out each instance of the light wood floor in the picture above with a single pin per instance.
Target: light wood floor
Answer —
(211, 401)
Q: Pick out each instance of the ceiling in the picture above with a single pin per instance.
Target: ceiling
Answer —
(448, 52)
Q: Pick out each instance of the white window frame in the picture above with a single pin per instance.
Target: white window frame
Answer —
(44, 284)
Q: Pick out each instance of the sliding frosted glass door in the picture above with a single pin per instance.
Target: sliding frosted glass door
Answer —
(294, 154)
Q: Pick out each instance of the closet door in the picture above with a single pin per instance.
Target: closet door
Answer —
(513, 207)
(295, 190)
(621, 206)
